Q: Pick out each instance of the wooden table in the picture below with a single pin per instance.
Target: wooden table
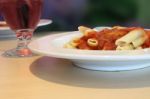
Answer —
(42, 77)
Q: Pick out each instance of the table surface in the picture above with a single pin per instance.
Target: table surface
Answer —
(42, 77)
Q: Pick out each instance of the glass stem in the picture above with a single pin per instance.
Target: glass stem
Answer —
(24, 37)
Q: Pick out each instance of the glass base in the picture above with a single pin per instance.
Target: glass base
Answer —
(19, 53)
(24, 37)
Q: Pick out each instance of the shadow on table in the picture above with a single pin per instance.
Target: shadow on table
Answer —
(63, 72)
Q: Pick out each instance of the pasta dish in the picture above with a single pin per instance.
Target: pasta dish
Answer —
(115, 38)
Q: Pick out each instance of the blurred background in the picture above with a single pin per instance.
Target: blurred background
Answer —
(69, 14)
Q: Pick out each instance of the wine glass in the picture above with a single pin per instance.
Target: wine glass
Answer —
(22, 16)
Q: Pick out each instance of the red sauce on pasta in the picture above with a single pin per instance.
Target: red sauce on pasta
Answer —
(106, 39)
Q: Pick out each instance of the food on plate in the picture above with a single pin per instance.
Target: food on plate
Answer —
(135, 38)
(115, 38)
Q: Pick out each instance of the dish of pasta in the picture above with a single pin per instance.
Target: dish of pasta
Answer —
(103, 50)
(115, 38)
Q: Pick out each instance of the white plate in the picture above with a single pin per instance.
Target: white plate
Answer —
(5, 32)
(42, 22)
(52, 45)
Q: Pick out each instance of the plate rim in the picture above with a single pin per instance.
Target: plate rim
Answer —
(49, 21)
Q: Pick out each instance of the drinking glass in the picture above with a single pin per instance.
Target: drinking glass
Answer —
(22, 16)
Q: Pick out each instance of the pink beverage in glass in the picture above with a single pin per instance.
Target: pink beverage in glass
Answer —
(22, 16)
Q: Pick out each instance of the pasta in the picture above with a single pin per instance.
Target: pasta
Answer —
(125, 47)
(130, 37)
(92, 42)
(72, 44)
(115, 38)
(118, 27)
(82, 29)
(139, 41)
(85, 30)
